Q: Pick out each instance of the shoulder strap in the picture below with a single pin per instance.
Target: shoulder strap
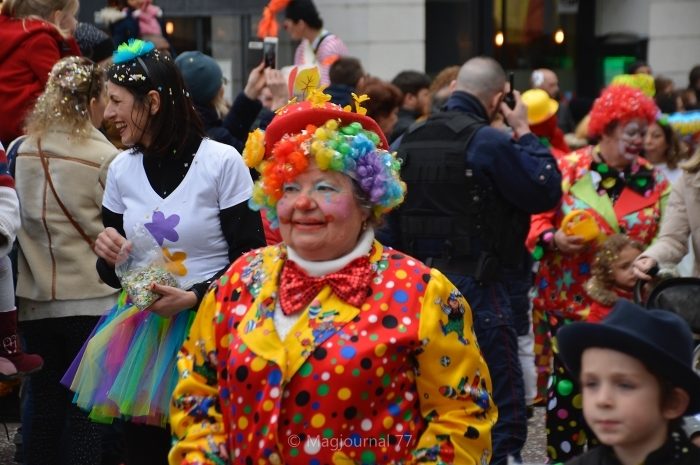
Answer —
(12, 151)
(444, 130)
(47, 174)
(318, 45)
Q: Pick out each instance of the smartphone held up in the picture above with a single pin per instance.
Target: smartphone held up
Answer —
(270, 45)
(509, 99)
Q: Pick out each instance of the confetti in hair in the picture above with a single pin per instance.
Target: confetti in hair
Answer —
(601, 284)
(130, 64)
(73, 82)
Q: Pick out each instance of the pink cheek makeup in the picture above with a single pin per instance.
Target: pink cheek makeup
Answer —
(284, 213)
(336, 206)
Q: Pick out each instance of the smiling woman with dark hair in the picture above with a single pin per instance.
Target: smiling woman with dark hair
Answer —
(191, 194)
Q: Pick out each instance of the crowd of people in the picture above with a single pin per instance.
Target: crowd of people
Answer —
(379, 272)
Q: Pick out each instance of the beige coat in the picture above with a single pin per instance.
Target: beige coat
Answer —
(55, 263)
(681, 219)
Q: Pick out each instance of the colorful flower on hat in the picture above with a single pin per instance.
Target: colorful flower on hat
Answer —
(359, 100)
(318, 98)
(254, 149)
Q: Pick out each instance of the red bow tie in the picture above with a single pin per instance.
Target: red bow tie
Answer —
(297, 289)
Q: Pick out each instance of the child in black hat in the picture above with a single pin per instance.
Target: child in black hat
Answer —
(637, 381)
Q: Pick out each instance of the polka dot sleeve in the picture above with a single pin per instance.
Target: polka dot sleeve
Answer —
(195, 415)
(453, 381)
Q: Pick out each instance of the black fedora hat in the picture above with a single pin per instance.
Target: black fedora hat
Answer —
(660, 339)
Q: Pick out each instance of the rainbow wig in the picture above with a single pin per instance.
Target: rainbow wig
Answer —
(619, 103)
(337, 139)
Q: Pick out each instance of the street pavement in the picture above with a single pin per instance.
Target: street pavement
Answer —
(534, 452)
(7, 447)
(535, 447)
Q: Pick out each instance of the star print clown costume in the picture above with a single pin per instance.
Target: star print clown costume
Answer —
(628, 201)
(127, 368)
(381, 366)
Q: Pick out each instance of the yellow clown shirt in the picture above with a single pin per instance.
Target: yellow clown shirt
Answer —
(399, 380)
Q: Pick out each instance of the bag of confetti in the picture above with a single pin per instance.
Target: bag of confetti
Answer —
(140, 263)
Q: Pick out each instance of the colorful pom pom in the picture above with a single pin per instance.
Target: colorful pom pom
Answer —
(347, 149)
(133, 49)
(254, 149)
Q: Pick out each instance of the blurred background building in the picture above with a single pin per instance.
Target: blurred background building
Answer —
(585, 41)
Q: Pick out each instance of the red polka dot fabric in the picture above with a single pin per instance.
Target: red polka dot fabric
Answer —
(396, 379)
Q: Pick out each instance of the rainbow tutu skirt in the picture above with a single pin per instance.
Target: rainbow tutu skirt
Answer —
(127, 369)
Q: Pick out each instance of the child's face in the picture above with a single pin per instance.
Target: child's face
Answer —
(622, 268)
(622, 402)
(134, 3)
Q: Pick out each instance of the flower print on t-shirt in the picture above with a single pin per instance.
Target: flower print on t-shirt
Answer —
(175, 262)
(163, 228)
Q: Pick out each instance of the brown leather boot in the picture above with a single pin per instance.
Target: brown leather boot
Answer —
(13, 362)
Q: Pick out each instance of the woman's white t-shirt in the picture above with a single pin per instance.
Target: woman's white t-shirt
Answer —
(186, 223)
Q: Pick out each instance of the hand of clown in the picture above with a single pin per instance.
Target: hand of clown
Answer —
(567, 244)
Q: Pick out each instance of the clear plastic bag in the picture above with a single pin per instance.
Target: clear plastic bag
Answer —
(139, 264)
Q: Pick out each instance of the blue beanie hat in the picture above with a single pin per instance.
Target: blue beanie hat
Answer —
(202, 76)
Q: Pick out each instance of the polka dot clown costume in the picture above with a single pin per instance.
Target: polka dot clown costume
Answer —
(627, 200)
(378, 367)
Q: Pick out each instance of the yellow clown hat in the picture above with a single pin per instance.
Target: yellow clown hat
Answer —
(540, 106)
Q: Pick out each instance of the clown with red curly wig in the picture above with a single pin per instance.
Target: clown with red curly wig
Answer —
(622, 192)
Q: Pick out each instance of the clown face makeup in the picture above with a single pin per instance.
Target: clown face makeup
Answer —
(630, 138)
(319, 216)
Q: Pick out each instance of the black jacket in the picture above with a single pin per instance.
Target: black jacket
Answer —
(678, 450)
(233, 129)
(406, 119)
